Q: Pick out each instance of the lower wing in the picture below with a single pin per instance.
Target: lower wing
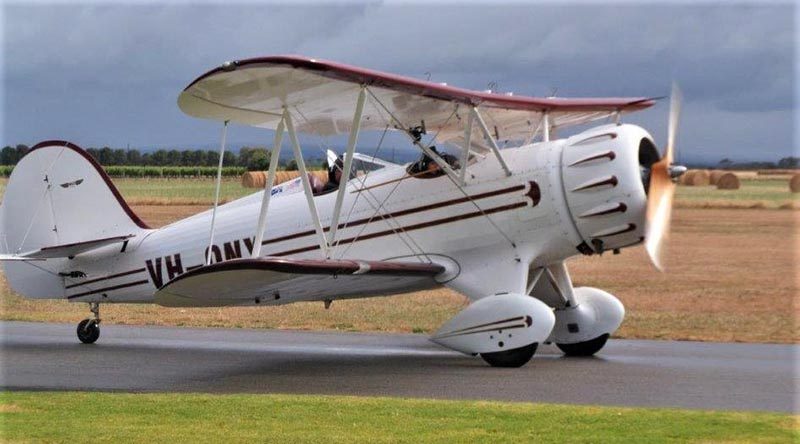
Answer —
(271, 280)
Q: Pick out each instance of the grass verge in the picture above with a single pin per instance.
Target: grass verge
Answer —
(118, 417)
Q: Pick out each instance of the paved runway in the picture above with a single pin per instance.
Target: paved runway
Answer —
(635, 373)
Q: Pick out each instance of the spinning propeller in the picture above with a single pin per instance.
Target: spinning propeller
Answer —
(662, 188)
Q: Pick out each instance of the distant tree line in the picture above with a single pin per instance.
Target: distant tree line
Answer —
(784, 163)
(250, 158)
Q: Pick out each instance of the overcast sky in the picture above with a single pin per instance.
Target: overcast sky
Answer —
(101, 74)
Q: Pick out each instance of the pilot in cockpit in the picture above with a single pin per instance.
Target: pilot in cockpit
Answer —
(428, 168)
(334, 176)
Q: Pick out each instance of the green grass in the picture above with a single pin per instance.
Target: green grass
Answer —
(116, 417)
(173, 190)
(770, 192)
(180, 190)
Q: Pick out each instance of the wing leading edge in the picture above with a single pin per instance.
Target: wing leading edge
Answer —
(255, 91)
(272, 281)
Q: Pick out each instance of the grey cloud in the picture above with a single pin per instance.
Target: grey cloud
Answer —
(111, 74)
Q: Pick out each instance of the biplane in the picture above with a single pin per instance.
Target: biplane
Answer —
(493, 209)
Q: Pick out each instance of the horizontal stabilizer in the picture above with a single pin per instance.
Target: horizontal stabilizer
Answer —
(14, 257)
(272, 280)
(73, 249)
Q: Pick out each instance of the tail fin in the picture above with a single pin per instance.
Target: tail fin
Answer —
(58, 195)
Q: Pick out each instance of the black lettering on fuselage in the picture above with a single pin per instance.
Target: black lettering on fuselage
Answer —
(232, 250)
(248, 243)
(216, 254)
(174, 266)
(155, 272)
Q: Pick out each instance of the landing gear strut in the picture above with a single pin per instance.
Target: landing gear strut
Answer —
(89, 329)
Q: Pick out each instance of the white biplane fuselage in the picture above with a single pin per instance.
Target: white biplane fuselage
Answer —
(513, 223)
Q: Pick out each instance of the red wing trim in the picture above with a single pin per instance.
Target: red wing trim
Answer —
(363, 76)
(62, 143)
(311, 266)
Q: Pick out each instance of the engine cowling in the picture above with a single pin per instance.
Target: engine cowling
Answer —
(604, 177)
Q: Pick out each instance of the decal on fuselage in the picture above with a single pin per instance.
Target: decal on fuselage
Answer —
(163, 269)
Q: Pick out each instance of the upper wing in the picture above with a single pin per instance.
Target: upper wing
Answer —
(271, 280)
(323, 95)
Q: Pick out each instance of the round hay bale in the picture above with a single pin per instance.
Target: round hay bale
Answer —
(794, 183)
(686, 178)
(728, 181)
(258, 179)
(285, 176)
(696, 178)
(254, 179)
(701, 178)
(714, 176)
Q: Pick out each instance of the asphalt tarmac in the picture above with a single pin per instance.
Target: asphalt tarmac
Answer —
(701, 375)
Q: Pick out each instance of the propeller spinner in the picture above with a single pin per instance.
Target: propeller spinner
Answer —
(662, 189)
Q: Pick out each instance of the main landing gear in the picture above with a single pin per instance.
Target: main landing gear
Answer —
(89, 329)
(585, 348)
(511, 358)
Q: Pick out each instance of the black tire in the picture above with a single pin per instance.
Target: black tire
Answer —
(586, 348)
(88, 331)
(511, 358)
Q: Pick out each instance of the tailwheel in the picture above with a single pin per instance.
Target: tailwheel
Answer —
(585, 348)
(89, 329)
(511, 358)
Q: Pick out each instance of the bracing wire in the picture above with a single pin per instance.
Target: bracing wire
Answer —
(395, 230)
(455, 183)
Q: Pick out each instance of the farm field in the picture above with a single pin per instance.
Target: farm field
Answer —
(731, 276)
(754, 193)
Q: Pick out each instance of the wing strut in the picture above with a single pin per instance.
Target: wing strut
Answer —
(490, 138)
(273, 168)
(286, 124)
(216, 193)
(348, 164)
(545, 126)
(301, 165)
(467, 145)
